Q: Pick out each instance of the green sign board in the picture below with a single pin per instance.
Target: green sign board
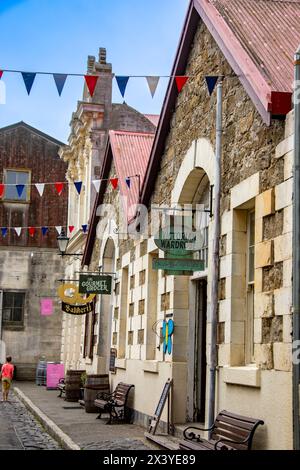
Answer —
(177, 266)
(179, 241)
(90, 284)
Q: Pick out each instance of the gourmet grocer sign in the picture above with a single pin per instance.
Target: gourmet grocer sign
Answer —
(178, 240)
(95, 284)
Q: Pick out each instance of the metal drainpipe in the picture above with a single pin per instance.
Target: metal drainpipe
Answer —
(296, 249)
(215, 261)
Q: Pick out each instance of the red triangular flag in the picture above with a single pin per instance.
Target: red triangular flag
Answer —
(31, 231)
(180, 82)
(91, 82)
(59, 187)
(114, 182)
(2, 188)
(71, 228)
(1, 73)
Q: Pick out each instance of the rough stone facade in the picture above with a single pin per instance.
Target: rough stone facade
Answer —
(248, 145)
(31, 265)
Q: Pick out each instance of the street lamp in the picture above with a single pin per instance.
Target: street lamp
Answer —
(63, 241)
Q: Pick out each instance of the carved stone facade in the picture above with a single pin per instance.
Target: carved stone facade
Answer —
(84, 155)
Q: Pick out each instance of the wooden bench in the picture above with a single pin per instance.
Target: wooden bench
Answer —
(114, 403)
(229, 432)
(61, 386)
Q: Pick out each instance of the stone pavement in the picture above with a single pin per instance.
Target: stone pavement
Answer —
(83, 428)
(20, 431)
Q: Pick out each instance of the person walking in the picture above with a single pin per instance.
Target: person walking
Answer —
(7, 372)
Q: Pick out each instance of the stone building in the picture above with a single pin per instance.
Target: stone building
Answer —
(30, 265)
(254, 374)
(95, 118)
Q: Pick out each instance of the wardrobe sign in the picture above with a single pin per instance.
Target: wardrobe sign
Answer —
(179, 241)
(91, 284)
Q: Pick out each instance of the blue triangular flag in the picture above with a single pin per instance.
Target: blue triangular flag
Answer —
(122, 84)
(20, 189)
(84, 228)
(44, 231)
(211, 83)
(4, 231)
(128, 182)
(60, 80)
(28, 78)
(78, 186)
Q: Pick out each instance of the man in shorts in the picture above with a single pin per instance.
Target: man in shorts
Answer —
(7, 373)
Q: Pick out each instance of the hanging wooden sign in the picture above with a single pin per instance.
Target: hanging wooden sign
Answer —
(77, 309)
(112, 360)
(91, 284)
(179, 241)
(178, 264)
(69, 294)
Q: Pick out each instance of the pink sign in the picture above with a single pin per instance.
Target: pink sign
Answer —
(54, 373)
(46, 307)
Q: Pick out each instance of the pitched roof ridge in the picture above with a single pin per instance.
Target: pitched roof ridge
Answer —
(138, 133)
(32, 129)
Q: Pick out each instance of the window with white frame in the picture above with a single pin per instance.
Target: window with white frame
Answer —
(12, 178)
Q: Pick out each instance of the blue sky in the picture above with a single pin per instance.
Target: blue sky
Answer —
(140, 36)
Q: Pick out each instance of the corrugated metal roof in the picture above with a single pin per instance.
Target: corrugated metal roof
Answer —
(131, 152)
(269, 31)
(154, 118)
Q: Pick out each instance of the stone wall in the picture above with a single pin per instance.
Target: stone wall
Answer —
(35, 273)
(248, 145)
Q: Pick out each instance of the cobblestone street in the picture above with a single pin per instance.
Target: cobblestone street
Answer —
(20, 431)
(83, 428)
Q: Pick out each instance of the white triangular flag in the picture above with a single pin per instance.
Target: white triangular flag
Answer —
(152, 83)
(18, 230)
(59, 229)
(97, 183)
(40, 187)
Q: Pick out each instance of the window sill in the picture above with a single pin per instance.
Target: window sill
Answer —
(120, 364)
(13, 327)
(150, 366)
(248, 376)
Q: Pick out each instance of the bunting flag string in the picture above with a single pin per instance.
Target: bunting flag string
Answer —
(91, 82)
(152, 84)
(122, 80)
(45, 230)
(28, 78)
(60, 80)
(40, 187)
(114, 182)
(211, 83)
(122, 84)
(59, 188)
(180, 82)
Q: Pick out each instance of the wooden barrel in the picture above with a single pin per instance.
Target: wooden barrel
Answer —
(94, 384)
(73, 384)
(41, 373)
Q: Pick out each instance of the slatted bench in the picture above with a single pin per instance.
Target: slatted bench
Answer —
(61, 386)
(115, 403)
(229, 432)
